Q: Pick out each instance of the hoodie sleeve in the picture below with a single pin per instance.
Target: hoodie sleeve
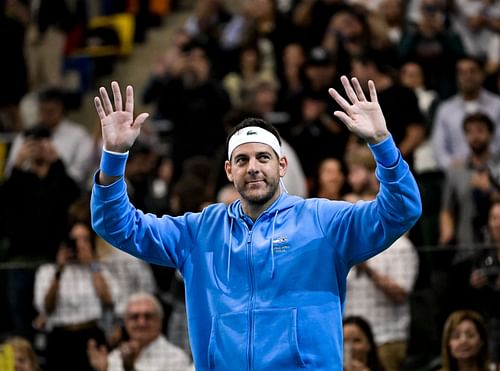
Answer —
(164, 241)
(361, 230)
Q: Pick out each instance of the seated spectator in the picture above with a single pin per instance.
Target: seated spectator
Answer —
(360, 174)
(464, 342)
(72, 295)
(360, 350)
(25, 358)
(146, 348)
(331, 180)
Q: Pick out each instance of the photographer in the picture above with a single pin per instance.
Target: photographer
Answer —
(35, 200)
(72, 295)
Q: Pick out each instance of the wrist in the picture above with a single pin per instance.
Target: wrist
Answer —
(385, 152)
(95, 267)
(113, 163)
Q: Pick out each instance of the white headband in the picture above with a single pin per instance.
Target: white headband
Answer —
(253, 134)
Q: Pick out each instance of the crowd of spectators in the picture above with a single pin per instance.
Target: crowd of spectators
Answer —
(436, 65)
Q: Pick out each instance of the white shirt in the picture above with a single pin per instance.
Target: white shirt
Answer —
(73, 144)
(133, 275)
(77, 300)
(159, 355)
(389, 321)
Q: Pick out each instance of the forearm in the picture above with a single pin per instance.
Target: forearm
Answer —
(391, 289)
(102, 288)
(50, 300)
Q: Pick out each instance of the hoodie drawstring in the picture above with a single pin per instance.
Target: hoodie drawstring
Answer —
(230, 247)
(272, 244)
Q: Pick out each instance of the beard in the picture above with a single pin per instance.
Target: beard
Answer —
(259, 198)
(479, 148)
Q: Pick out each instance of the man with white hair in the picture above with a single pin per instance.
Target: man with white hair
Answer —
(147, 349)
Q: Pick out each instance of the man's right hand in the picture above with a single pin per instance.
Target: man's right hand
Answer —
(98, 355)
(119, 129)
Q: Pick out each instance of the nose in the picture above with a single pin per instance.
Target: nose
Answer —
(253, 166)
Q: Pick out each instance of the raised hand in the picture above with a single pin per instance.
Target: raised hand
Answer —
(119, 129)
(362, 117)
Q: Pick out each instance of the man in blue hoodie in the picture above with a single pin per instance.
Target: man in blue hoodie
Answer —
(265, 277)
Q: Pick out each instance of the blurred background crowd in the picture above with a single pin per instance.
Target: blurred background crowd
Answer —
(72, 302)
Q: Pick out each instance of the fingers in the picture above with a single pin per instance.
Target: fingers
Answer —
(140, 119)
(348, 89)
(344, 118)
(129, 100)
(373, 91)
(359, 91)
(99, 108)
(108, 108)
(339, 99)
(117, 95)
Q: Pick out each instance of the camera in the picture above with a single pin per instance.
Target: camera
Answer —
(37, 132)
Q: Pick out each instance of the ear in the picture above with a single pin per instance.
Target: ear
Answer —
(228, 168)
(283, 165)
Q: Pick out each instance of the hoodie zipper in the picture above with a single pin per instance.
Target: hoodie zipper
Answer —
(252, 301)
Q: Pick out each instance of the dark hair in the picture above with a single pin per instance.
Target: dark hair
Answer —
(373, 362)
(253, 121)
(479, 62)
(377, 58)
(51, 94)
(479, 117)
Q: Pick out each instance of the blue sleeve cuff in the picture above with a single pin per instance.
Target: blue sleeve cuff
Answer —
(385, 152)
(113, 163)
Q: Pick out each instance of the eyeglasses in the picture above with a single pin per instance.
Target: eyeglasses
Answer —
(148, 316)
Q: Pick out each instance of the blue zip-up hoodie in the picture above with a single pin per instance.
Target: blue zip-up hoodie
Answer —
(266, 295)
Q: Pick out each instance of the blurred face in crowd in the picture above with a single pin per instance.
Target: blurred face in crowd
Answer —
(23, 361)
(465, 342)
(494, 222)
(392, 10)
(330, 175)
(143, 321)
(363, 72)
(478, 136)
(412, 75)
(265, 98)
(249, 59)
(312, 109)
(346, 25)
(82, 236)
(358, 342)
(358, 177)
(470, 77)
(50, 113)
(293, 56)
(197, 69)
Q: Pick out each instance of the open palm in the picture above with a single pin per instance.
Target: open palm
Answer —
(119, 129)
(362, 117)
